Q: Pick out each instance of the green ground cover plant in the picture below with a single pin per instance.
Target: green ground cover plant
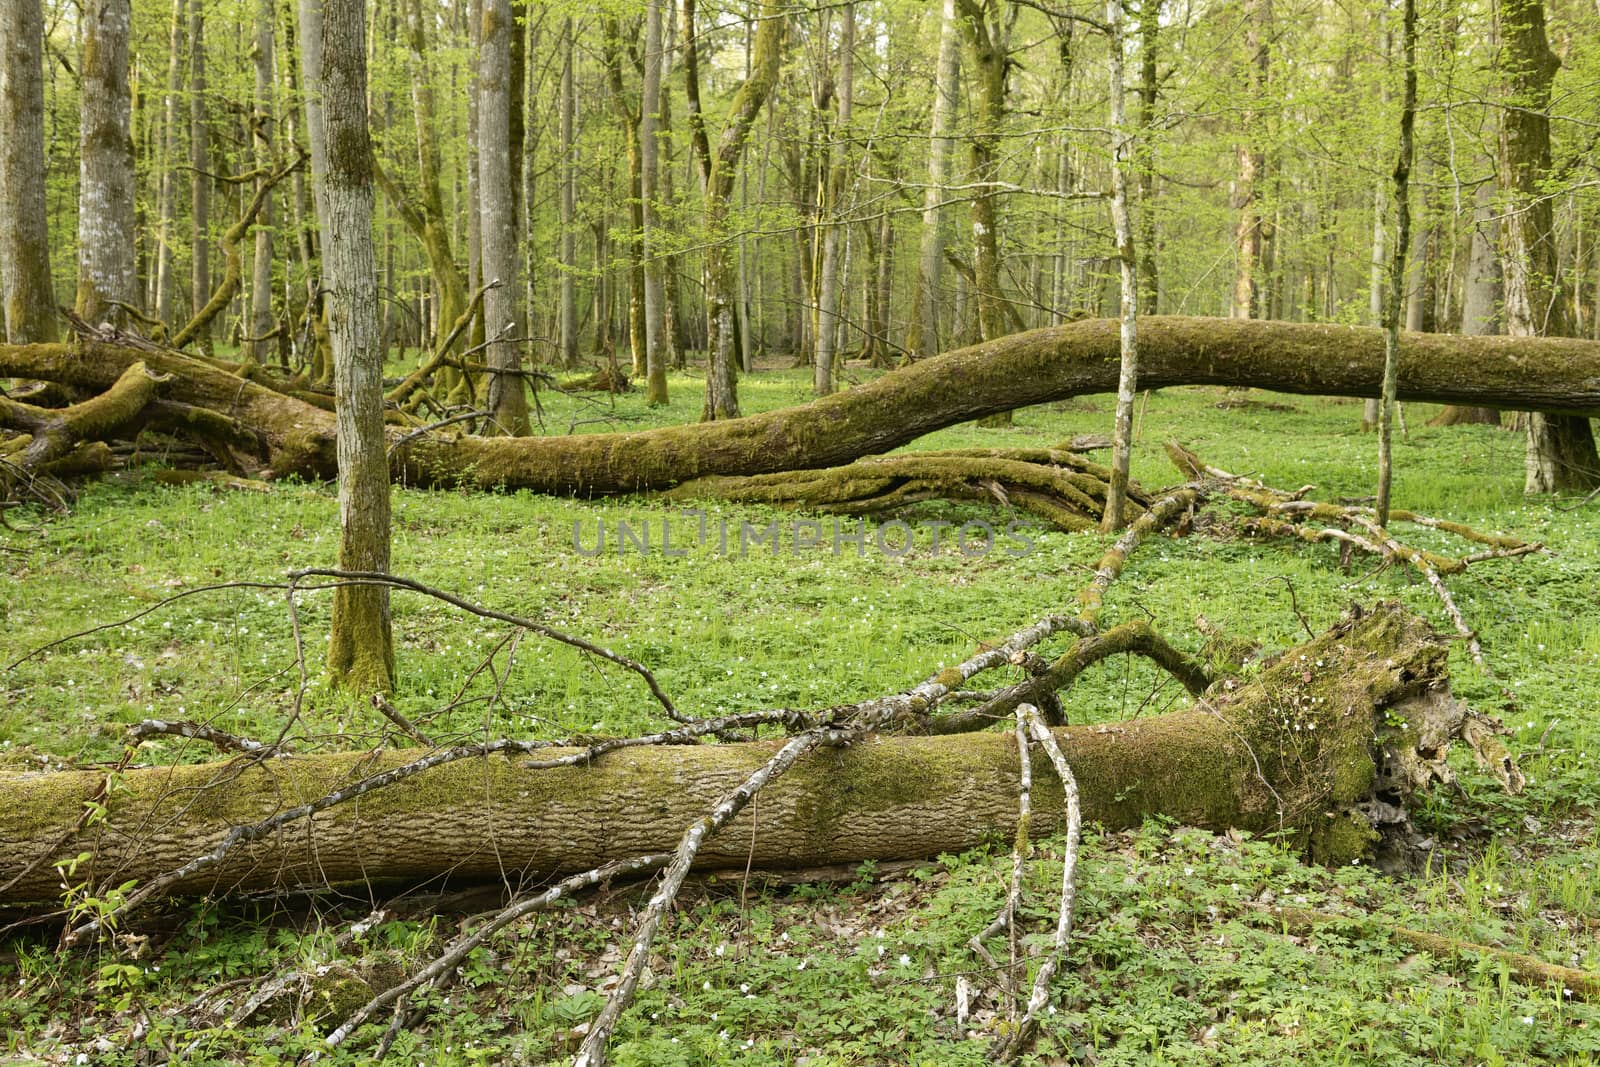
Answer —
(1173, 959)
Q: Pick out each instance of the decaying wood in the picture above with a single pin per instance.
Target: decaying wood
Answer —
(294, 436)
(1297, 749)
(1569, 982)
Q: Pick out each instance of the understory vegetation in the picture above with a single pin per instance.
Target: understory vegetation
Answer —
(1174, 958)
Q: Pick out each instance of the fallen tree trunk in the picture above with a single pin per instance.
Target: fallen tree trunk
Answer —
(1553, 375)
(1308, 748)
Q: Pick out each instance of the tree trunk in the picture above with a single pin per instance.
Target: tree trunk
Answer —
(649, 153)
(427, 219)
(1397, 266)
(106, 275)
(361, 651)
(1253, 231)
(1480, 306)
(507, 401)
(29, 313)
(1234, 765)
(1550, 374)
(631, 135)
(167, 183)
(261, 319)
(1128, 264)
(567, 308)
(722, 395)
(200, 160)
(317, 140)
(831, 210)
(988, 35)
(1560, 450)
(878, 324)
(1149, 88)
(1375, 295)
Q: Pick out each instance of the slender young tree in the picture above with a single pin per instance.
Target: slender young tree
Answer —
(567, 239)
(1122, 223)
(317, 139)
(650, 151)
(106, 272)
(1397, 265)
(826, 329)
(361, 652)
(1149, 90)
(261, 320)
(507, 402)
(199, 166)
(24, 226)
(167, 183)
(721, 166)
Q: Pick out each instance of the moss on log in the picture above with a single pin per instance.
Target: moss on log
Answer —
(1553, 375)
(1298, 749)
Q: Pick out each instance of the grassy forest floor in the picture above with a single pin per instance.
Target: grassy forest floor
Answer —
(1170, 962)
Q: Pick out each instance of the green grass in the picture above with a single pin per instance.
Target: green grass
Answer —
(1166, 966)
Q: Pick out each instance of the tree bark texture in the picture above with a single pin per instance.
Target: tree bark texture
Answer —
(1560, 451)
(361, 652)
(105, 170)
(30, 313)
(507, 402)
(1243, 762)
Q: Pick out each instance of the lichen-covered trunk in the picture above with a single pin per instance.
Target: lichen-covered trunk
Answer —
(106, 275)
(1251, 760)
(29, 313)
(507, 401)
(361, 649)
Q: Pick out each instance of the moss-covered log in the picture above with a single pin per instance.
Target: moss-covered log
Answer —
(1300, 748)
(1528, 373)
(1054, 484)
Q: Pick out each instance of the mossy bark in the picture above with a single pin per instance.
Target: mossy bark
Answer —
(1298, 749)
(29, 313)
(1532, 373)
(361, 650)
(1055, 485)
